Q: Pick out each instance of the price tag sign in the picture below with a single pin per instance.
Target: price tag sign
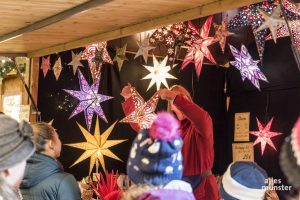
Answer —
(242, 152)
(241, 127)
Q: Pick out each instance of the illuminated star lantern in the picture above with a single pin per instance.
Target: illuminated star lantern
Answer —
(120, 56)
(144, 48)
(45, 65)
(247, 66)
(273, 22)
(264, 135)
(89, 100)
(198, 46)
(57, 68)
(158, 73)
(96, 55)
(222, 33)
(143, 114)
(76, 61)
(96, 146)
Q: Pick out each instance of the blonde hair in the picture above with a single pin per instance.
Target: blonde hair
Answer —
(42, 132)
(135, 191)
(180, 90)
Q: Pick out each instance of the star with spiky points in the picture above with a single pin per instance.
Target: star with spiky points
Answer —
(76, 61)
(144, 48)
(264, 135)
(247, 66)
(222, 33)
(143, 113)
(120, 56)
(159, 72)
(198, 46)
(89, 100)
(96, 146)
(45, 66)
(272, 21)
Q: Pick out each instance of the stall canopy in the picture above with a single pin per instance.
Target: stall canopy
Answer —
(40, 27)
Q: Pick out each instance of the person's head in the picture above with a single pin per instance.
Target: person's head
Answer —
(179, 90)
(290, 157)
(15, 148)
(244, 180)
(155, 157)
(46, 139)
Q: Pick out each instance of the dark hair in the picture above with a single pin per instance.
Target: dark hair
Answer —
(42, 132)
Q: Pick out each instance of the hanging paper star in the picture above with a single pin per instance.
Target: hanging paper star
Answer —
(76, 61)
(273, 22)
(45, 65)
(96, 54)
(173, 37)
(96, 146)
(264, 135)
(283, 32)
(120, 56)
(250, 16)
(144, 48)
(247, 66)
(57, 68)
(197, 49)
(158, 73)
(143, 114)
(222, 33)
(89, 100)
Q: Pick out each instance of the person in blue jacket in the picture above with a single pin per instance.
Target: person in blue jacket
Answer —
(44, 175)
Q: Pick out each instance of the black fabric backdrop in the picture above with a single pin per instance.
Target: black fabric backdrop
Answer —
(278, 99)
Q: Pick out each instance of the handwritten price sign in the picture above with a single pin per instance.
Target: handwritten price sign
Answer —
(241, 127)
(242, 152)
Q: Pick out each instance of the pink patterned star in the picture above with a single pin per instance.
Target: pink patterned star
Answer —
(45, 65)
(197, 49)
(264, 135)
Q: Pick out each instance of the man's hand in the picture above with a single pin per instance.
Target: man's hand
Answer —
(126, 91)
(166, 94)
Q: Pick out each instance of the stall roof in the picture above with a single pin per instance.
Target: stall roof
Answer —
(40, 27)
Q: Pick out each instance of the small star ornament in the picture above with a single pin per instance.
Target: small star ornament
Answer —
(264, 135)
(89, 100)
(45, 65)
(120, 56)
(76, 61)
(159, 72)
(57, 68)
(222, 33)
(144, 48)
(96, 146)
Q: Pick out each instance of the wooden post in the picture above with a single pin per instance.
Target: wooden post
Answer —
(33, 84)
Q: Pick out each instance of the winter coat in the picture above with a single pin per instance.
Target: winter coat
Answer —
(44, 179)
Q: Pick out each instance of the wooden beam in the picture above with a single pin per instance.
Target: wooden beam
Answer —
(13, 55)
(53, 19)
(197, 12)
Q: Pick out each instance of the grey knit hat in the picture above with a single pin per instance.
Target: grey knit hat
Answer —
(15, 142)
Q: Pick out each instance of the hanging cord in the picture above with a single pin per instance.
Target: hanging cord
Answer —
(267, 107)
(293, 45)
(28, 91)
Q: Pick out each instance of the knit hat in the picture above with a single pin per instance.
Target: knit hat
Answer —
(15, 142)
(162, 194)
(290, 157)
(155, 157)
(244, 180)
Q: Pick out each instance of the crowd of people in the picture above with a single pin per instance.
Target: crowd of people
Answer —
(171, 160)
